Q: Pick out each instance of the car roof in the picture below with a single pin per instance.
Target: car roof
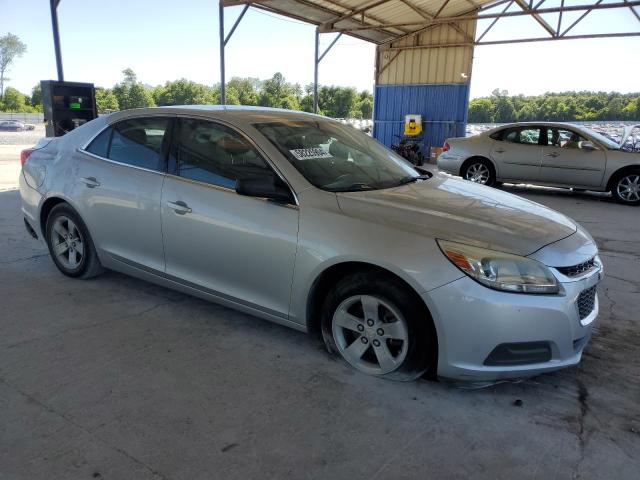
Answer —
(246, 113)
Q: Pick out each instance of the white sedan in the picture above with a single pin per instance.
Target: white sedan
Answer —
(555, 154)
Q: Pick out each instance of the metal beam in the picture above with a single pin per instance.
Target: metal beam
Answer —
(494, 22)
(519, 40)
(357, 11)
(571, 8)
(444, 4)
(56, 38)
(423, 13)
(559, 19)
(235, 25)
(315, 73)
(523, 5)
(386, 65)
(223, 43)
(329, 47)
(633, 10)
(579, 19)
(317, 59)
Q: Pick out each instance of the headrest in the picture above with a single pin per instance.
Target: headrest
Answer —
(233, 145)
(313, 139)
(137, 135)
(337, 149)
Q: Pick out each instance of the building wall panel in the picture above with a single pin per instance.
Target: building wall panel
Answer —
(443, 108)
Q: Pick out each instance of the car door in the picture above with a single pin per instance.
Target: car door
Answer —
(517, 153)
(235, 247)
(118, 184)
(568, 160)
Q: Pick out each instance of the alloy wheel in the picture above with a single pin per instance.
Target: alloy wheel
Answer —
(478, 173)
(628, 188)
(371, 334)
(67, 242)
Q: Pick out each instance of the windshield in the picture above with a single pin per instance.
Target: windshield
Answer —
(336, 157)
(606, 141)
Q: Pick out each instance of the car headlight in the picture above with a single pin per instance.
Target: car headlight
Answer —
(501, 271)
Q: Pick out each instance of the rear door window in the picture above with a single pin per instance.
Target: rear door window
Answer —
(137, 142)
(525, 136)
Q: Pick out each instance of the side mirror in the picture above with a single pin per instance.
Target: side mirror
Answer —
(587, 146)
(267, 186)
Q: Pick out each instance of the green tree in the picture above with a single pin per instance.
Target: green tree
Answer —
(132, 94)
(246, 90)
(11, 47)
(366, 107)
(276, 92)
(183, 92)
(14, 101)
(481, 110)
(106, 101)
(36, 97)
(505, 111)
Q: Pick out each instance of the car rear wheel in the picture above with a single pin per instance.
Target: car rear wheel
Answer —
(379, 328)
(70, 244)
(626, 188)
(479, 171)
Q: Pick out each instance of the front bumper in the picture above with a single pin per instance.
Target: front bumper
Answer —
(472, 321)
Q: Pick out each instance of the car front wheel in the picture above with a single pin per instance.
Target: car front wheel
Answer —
(626, 188)
(378, 327)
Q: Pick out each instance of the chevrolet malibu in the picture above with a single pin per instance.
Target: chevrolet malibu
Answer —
(303, 221)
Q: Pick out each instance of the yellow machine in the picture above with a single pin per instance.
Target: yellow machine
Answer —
(412, 125)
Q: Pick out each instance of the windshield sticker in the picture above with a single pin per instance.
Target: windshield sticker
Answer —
(310, 153)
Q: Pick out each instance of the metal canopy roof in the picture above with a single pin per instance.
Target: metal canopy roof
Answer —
(377, 21)
(386, 21)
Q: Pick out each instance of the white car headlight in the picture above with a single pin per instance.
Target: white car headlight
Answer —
(501, 271)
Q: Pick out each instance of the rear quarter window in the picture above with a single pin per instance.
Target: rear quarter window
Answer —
(100, 145)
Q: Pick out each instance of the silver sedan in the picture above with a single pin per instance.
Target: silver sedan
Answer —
(306, 222)
(555, 154)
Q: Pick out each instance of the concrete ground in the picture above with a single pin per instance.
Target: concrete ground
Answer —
(115, 378)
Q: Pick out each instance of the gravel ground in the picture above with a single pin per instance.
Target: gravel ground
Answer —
(30, 137)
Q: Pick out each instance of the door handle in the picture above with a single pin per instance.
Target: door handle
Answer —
(179, 207)
(90, 182)
(499, 151)
(552, 154)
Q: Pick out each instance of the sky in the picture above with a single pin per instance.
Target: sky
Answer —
(166, 39)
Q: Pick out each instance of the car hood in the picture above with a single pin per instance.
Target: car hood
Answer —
(459, 210)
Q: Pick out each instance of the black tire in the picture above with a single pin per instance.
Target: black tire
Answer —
(617, 188)
(88, 264)
(421, 351)
(467, 169)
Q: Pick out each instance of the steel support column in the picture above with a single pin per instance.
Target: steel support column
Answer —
(316, 63)
(222, 80)
(56, 37)
(223, 43)
(315, 72)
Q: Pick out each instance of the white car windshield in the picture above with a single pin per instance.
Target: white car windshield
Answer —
(336, 157)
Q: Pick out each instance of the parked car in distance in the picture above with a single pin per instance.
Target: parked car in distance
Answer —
(15, 126)
(554, 154)
(312, 224)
